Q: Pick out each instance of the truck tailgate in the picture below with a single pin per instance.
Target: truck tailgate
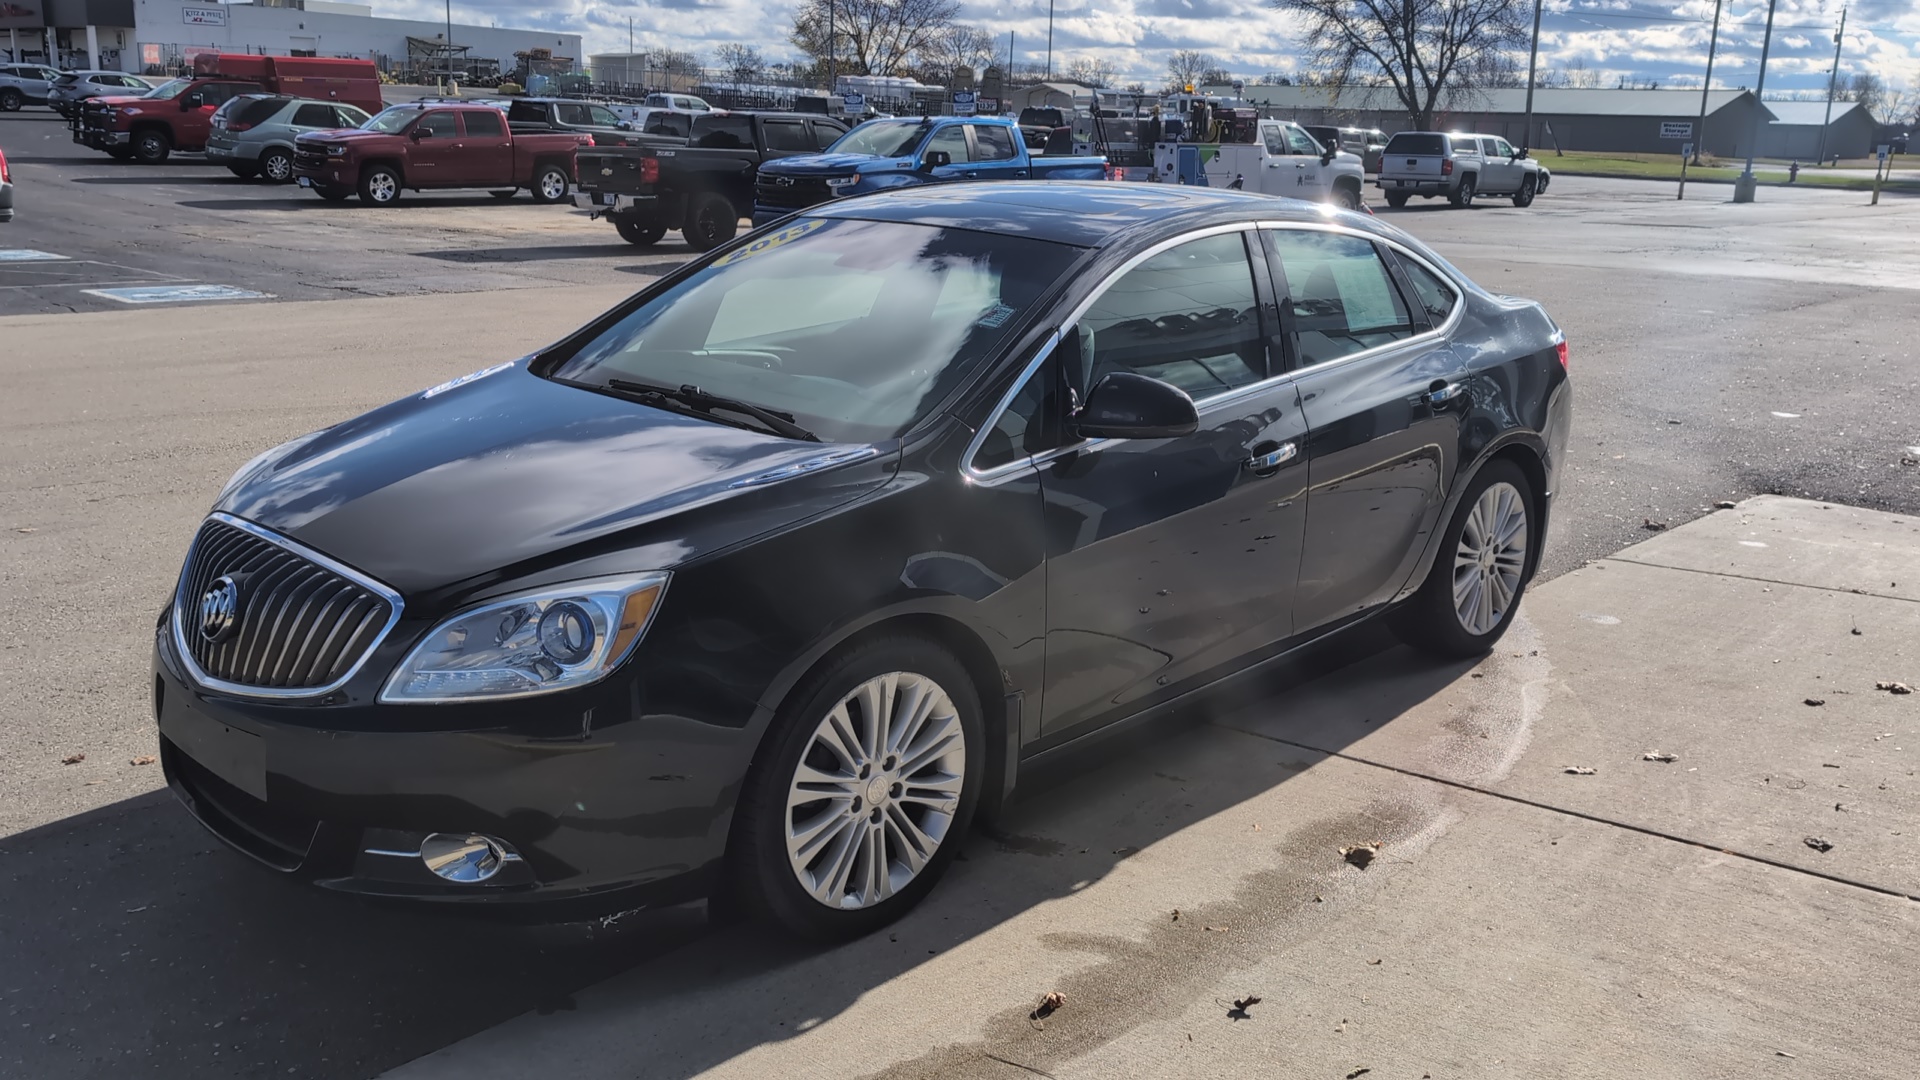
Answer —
(613, 169)
(1070, 168)
(1414, 157)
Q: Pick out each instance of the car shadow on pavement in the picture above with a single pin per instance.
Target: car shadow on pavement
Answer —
(128, 935)
(223, 177)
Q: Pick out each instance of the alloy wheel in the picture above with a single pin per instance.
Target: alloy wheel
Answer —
(277, 168)
(383, 187)
(875, 791)
(552, 186)
(1490, 559)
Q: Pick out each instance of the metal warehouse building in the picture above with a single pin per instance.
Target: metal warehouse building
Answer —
(1795, 130)
(1629, 121)
(136, 35)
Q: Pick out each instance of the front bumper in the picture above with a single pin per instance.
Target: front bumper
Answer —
(101, 138)
(610, 811)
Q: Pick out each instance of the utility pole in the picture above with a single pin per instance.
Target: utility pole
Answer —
(626, 69)
(1746, 184)
(832, 83)
(1713, 43)
(449, 72)
(1533, 61)
(1833, 81)
(1049, 39)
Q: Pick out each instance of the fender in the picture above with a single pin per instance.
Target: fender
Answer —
(1535, 445)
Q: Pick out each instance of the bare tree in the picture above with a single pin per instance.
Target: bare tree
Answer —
(1185, 67)
(872, 37)
(742, 63)
(1578, 76)
(1867, 89)
(1422, 47)
(1217, 76)
(953, 47)
(1090, 71)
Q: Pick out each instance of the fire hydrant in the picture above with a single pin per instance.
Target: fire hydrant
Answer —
(1793, 171)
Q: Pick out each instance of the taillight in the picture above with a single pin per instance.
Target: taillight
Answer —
(649, 170)
(590, 142)
(1112, 173)
(1446, 166)
(233, 126)
(5, 176)
(1560, 351)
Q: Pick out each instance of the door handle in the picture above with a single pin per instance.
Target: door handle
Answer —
(1442, 392)
(1301, 165)
(1273, 458)
(973, 176)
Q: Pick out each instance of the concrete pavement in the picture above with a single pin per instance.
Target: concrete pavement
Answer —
(1652, 919)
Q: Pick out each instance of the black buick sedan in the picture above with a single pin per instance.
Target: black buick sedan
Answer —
(766, 581)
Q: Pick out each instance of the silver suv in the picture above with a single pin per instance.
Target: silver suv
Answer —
(1457, 165)
(253, 133)
(25, 84)
(75, 87)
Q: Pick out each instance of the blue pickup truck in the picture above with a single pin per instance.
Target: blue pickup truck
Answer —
(882, 154)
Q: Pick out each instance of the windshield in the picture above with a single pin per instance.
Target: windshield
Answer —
(168, 90)
(881, 138)
(391, 120)
(857, 329)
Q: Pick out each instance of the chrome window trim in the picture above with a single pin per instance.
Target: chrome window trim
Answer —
(201, 678)
(1225, 397)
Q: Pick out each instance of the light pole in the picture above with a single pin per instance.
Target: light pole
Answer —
(1533, 60)
(1049, 39)
(1743, 188)
(1713, 42)
(1833, 80)
(449, 38)
(831, 81)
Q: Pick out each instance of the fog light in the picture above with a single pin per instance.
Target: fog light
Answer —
(466, 859)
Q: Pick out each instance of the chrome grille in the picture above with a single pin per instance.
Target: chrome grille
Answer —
(302, 623)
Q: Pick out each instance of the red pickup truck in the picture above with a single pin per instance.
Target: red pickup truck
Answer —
(435, 146)
(178, 115)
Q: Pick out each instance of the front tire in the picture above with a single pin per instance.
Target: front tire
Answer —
(1463, 195)
(1486, 558)
(1524, 197)
(10, 100)
(711, 221)
(151, 147)
(863, 791)
(1346, 197)
(550, 184)
(277, 167)
(380, 186)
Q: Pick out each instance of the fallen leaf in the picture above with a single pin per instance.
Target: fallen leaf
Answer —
(23, 530)
(1176, 914)
(1856, 631)
(1247, 1002)
(73, 759)
(1655, 755)
(1374, 963)
(1363, 1072)
(1578, 770)
(1360, 854)
(1816, 701)
(1725, 505)
(144, 759)
(1651, 525)
(1781, 1053)
(1818, 844)
(1049, 1005)
(138, 910)
(1893, 687)
(1215, 929)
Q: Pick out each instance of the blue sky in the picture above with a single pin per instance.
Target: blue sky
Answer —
(1663, 40)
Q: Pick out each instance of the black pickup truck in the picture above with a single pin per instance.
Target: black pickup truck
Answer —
(702, 188)
(581, 117)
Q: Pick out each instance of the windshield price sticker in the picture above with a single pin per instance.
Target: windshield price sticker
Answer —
(768, 243)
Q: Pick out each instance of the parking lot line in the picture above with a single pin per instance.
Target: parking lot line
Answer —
(176, 294)
(28, 255)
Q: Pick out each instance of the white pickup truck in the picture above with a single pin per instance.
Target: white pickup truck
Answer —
(1282, 160)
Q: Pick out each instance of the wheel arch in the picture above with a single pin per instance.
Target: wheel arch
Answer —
(1528, 451)
(398, 167)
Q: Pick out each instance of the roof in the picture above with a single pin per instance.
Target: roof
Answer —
(1810, 113)
(1547, 102)
(1088, 213)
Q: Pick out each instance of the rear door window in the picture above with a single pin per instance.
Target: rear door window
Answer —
(483, 124)
(315, 116)
(1340, 295)
(992, 143)
(789, 135)
(723, 132)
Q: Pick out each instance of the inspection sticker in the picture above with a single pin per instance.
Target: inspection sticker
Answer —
(176, 294)
(28, 255)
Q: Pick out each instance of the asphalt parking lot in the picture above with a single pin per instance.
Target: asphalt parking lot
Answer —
(1658, 921)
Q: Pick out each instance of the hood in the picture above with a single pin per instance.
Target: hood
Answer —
(346, 135)
(826, 164)
(110, 101)
(499, 468)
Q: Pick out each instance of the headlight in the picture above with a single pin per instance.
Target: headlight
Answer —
(841, 183)
(554, 639)
(336, 150)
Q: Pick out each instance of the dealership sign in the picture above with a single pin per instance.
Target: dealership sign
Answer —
(204, 16)
(963, 102)
(1676, 129)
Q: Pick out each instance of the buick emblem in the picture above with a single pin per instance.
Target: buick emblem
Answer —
(218, 609)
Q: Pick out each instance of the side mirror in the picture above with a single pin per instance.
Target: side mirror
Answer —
(1520, 154)
(625, 125)
(1326, 156)
(191, 102)
(935, 159)
(1128, 406)
(417, 132)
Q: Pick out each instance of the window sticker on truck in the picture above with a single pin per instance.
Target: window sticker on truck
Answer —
(768, 243)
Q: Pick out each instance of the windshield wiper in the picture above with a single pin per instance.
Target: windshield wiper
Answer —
(699, 400)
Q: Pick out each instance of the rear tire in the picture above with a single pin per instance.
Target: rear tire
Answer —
(711, 221)
(550, 184)
(925, 787)
(639, 232)
(277, 167)
(10, 100)
(1524, 197)
(1396, 200)
(151, 147)
(380, 186)
(1463, 195)
(1486, 558)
